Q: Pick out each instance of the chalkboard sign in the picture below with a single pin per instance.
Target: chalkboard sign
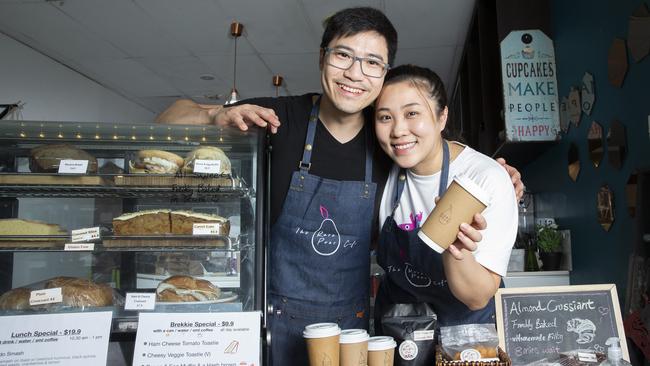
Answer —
(535, 323)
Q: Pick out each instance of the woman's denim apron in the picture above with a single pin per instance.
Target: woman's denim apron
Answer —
(415, 273)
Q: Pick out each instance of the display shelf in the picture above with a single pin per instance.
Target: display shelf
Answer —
(108, 243)
(64, 186)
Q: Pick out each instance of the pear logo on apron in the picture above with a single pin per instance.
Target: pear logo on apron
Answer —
(415, 277)
(326, 240)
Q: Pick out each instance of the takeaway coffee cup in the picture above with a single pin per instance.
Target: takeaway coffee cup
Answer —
(322, 343)
(460, 202)
(381, 351)
(354, 347)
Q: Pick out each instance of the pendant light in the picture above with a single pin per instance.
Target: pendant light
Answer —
(277, 82)
(235, 31)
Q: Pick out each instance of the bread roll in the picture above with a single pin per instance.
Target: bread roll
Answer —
(16, 299)
(46, 158)
(155, 162)
(207, 153)
(78, 292)
(149, 222)
(183, 222)
(186, 289)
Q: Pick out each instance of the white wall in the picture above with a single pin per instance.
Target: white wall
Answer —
(52, 91)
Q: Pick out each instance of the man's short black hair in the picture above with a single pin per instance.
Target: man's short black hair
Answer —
(352, 21)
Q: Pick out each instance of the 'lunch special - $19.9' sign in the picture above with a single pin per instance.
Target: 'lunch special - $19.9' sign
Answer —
(529, 87)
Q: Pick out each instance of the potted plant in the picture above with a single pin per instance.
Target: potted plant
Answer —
(549, 244)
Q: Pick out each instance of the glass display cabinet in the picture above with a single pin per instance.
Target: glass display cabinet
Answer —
(123, 208)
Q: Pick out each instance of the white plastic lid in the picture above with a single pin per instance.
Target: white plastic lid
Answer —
(353, 336)
(381, 343)
(321, 330)
(473, 188)
(432, 244)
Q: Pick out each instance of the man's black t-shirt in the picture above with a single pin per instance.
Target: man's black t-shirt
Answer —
(330, 158)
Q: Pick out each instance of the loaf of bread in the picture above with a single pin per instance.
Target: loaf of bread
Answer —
(155, 162)
(183, 222)
(207, 153)
(16, 299)
(75, 292)
(28, 227)
(149, 222)
(79, 292)
(186, 289)
(46, 158)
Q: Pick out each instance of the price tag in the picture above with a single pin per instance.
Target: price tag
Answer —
(206, 228)
(198, 338)
(79, 247)
(73, 166)
(71, 339)
(207, 166)
(140, 301)
(47, 296)
(88, 234)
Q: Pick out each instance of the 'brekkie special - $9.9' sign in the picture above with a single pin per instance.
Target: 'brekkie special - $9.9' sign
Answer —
(528, 72)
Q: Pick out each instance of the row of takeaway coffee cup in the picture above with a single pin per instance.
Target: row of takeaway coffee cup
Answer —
(327, 344)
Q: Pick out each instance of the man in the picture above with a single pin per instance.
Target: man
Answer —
(326, 181)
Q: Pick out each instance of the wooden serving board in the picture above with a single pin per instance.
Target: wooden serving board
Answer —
(153, 180)
(35, 179)
(138, 243)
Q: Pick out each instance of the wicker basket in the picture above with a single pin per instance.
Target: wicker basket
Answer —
(504, 360)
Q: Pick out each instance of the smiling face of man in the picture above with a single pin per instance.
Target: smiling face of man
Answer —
(350, 91)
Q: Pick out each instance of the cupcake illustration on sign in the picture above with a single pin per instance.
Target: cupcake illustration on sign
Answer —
(326, 240)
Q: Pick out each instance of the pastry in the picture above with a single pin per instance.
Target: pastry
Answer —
(142, 223)
(46, 158)
(155, 162)
(183, 222)
(207, 153)
(16, 299)
(186, 289)
(76, 292)
(28, 227)
(80, 292)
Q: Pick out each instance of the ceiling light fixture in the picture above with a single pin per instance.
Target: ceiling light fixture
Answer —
(277, 82)
(235, 31)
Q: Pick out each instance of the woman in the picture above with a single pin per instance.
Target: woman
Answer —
(459, 284)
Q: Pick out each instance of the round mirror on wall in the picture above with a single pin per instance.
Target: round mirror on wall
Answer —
(595, 143)
(574, 162)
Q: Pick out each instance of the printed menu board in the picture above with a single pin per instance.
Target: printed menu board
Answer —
(66, 339)
(199, 339)
(536, 323)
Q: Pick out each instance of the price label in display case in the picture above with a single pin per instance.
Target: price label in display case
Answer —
(175, 339)
(207, 166)
(73, 166)
(70, 339)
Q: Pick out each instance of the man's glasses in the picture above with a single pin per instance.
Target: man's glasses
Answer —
(342, 59)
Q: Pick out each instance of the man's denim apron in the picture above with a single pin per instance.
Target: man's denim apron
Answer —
(319, 265)
(415, 273)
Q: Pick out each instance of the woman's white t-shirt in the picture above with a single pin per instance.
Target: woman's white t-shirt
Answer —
(417, 201)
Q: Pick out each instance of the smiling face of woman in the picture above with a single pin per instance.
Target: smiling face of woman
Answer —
(409, 126)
